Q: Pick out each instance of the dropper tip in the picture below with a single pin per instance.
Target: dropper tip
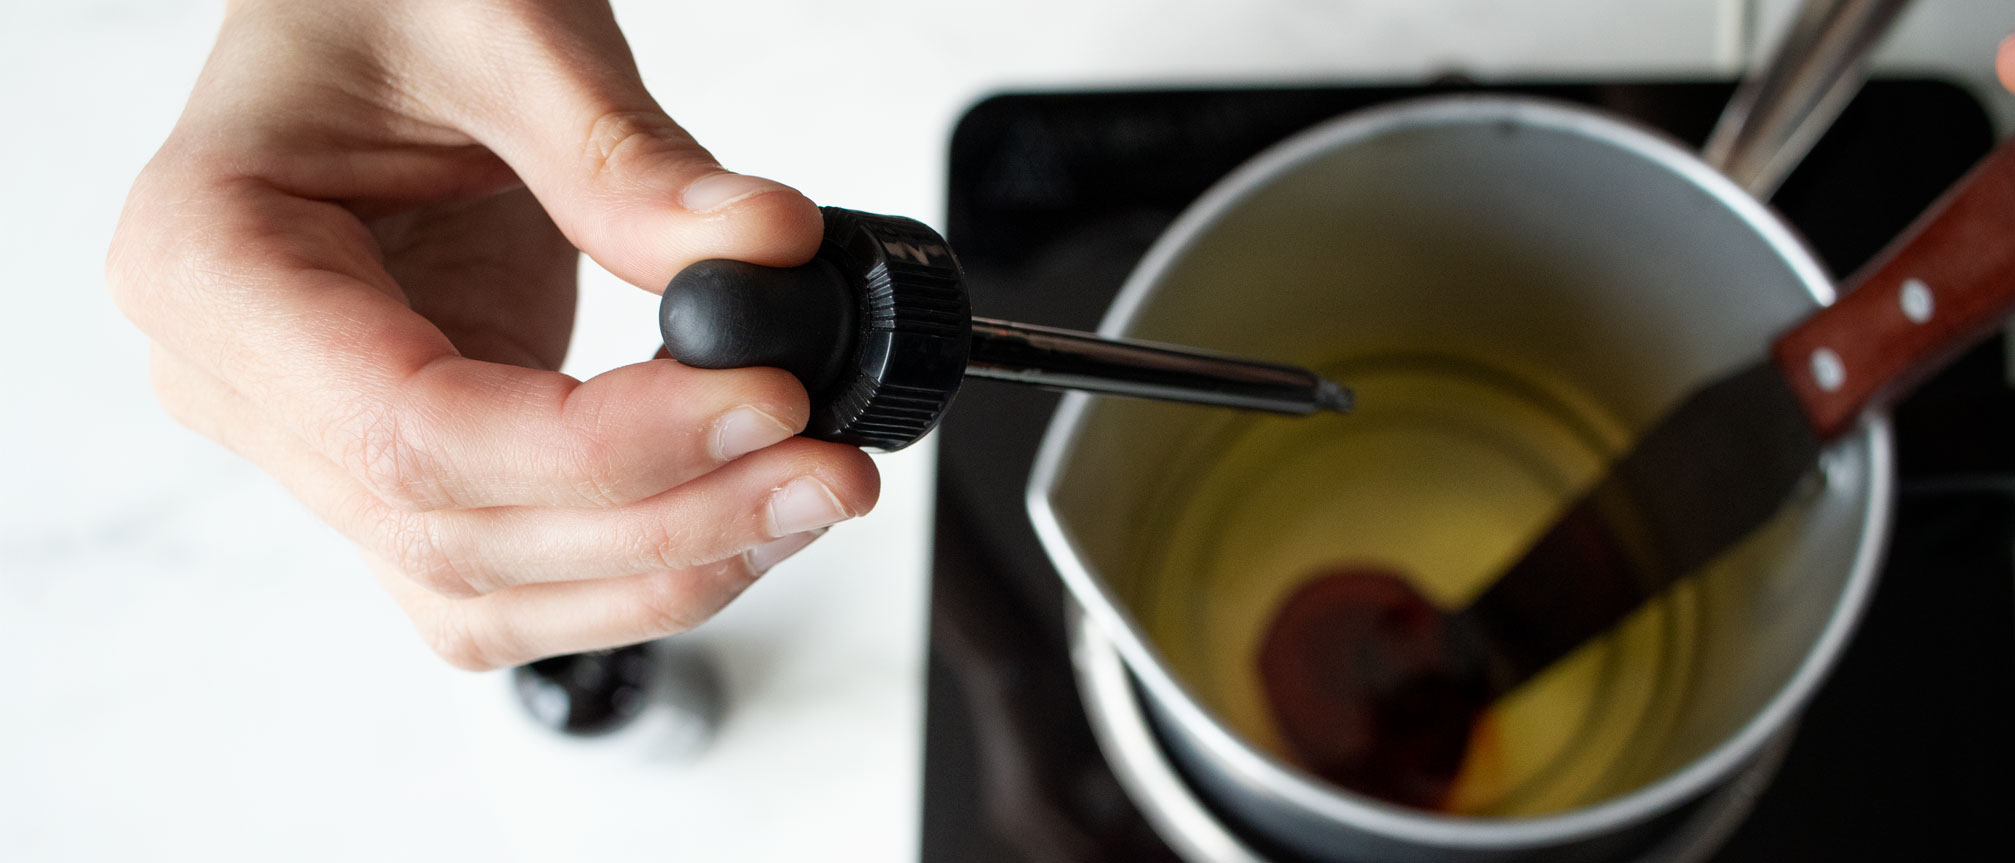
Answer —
(1332, 397)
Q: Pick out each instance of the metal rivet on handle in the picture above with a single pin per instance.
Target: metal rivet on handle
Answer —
(1915, 298)
(1827, 370)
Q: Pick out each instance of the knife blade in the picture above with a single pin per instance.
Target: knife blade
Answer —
(1729, 456)
(1375, 689)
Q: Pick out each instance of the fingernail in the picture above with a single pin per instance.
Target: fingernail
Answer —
(715, 191)
(804, 504)
(744, 430)
(771, 553)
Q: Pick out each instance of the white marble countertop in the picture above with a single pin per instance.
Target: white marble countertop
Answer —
(199, 669)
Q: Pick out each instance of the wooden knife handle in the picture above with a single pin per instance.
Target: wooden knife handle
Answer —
(1941, 287)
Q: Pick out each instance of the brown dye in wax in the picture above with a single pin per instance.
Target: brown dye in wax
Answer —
(1365, 689)
(1446, 476)
(1375, 689)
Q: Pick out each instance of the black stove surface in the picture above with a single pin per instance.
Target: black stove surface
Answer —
(1054, 197)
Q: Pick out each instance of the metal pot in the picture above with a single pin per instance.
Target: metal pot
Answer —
(1516, 288)
(1134, 751)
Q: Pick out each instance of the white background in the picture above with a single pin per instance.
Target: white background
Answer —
(196, 668)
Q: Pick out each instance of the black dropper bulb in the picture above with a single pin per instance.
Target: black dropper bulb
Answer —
(731, 314)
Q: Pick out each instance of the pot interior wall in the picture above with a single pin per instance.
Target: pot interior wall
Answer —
(1515, 301)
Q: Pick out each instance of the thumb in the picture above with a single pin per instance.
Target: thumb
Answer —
(621, 179)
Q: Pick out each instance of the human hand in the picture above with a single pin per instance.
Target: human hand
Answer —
(2004, 62)
(355, 257)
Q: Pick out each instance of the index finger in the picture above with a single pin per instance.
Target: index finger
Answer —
(284, 299)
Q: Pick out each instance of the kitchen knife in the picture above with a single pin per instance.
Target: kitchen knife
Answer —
(1375, 689)
(1729, 456)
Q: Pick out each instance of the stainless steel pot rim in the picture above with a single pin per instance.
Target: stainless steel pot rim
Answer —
(1168, 804)
(1251, 766)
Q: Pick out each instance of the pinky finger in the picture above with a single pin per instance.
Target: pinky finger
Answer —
(522, 624)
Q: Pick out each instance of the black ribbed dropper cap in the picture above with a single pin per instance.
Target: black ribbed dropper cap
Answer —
(876, 326)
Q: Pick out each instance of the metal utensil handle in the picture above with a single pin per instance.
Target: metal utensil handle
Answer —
(1782, 108)
(1944, 285)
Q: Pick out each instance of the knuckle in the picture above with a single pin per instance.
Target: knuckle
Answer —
(668, 605)
(451, 639)
(673, 602)
(735, 575)
(170, 392)
(621, 140)
(176, 238)
(581, 449)
(118, 271)
(192, 402)
(596, 473)
(383, 452)
(655, 541)
(416, 548)
(133, 245)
